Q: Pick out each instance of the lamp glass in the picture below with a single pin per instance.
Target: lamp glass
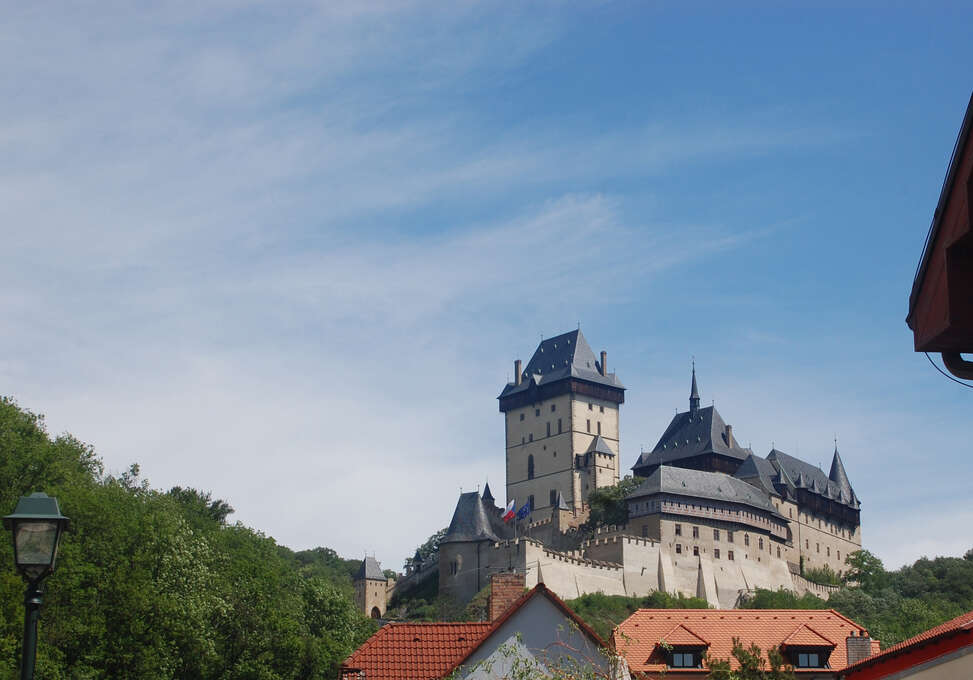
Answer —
(36, 543)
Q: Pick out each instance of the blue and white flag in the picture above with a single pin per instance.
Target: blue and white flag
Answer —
(524, 511)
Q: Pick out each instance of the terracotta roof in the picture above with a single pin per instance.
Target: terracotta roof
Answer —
(961, 624)
(413, 651)
(680, 635)
(426, 651)
(637, 637)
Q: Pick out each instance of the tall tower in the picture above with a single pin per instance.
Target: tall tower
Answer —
(371, 588)
(561, 418)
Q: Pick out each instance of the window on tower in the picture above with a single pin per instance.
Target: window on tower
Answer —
(589, 424)
(553, 407)
(553, 497)
(599, 427)
(537, 411)
(559, 426)
(521, 416)
(530, 466)
(548, 429)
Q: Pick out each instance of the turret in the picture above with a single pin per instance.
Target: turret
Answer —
(694, 395)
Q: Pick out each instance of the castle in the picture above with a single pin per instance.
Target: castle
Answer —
(709, 519)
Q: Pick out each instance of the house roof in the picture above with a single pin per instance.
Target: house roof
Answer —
(691, 434)
(370, 569)
(805, 636)
(637, 638)
(699, 484)
(564, 356)
(961, 625)
(760, 472)
(425, 651)
(413, 651)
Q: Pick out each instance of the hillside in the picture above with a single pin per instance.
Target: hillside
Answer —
(158, 584)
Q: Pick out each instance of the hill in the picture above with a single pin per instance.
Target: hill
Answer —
(158, 584)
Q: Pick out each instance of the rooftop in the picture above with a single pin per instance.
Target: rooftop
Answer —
(699, 484)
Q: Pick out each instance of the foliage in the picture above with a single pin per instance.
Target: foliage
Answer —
(608, 504)
(428, 551)
(752, 664)
(559, 660)
(865, 570)
(823, 575)
(604, 612)
(782, 599)
(159, 585)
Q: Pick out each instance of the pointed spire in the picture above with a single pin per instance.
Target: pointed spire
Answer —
(561, 505)
(694, 394)
(487, 496)
(838, 474)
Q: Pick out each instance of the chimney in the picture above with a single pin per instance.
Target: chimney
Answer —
(604, 362)
(859, 647)
(729, 436)
(517, 372)
(505, 589)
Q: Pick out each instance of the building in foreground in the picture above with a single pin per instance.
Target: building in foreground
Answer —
(710, 519)
(657, 643)
(527, 630)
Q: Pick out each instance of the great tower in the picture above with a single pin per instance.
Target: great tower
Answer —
(561, 423)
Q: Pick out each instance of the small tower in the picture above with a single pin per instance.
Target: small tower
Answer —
(371, 589)
(694, 395)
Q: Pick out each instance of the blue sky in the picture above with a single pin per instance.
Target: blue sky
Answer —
(288, 252)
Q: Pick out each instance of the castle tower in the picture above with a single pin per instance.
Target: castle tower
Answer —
(371, 589)
(561, 421)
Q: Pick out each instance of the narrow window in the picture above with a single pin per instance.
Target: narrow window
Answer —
(559, 426)
(716, 553)
(778, 552)
(760, 543)
(679, 530)
(590, 406)
(679, 548)
(729, 537)
(695, 550)
(829, 551)
(645, 530)
(548, 429)
(602, 408)
(839, 554)
(695, 532)
(537, 412)
(553, 407)
(807, 544)
(716, 534)
(729, 555)
(599, 427)
(521, 416)
(530, 437)
(530, 502)
(818, 546)
(530, 466)
(553, 496)
(522, 441)
(746, 540)
(589, 424)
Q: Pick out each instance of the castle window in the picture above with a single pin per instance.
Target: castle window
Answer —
(696, 550)
(453, 567)
(839, 554)
(679, 530)
(829, 551)
(716, 534)
(521, 416)
(537, 412)
(746, 540)
(790, 513)
(548, 429)
(729, 555)
(553, 496)
(589, 424)
(695, 532)
(559, 426)
(591, 406)
(522, 441)
(530, 466)
(602, 408)
(599, 427)
(807, 544)
(818, 546)
(553, 407)
(530, 437)
(530, 502)
(679, 548)
(729, 537)
(778, 552)
(716, 553)
(760, 543)
(645, 531)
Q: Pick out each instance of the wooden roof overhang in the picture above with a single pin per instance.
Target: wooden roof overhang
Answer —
(941, 303)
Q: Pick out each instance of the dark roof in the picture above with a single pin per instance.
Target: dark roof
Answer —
(760, 472)
(599, 445)
(370, 570)
(948, 182)
(806, 476)
(564, 356)
(475, 520)
(838, 474)
(690, 435)
(487, 496)
(699, 484)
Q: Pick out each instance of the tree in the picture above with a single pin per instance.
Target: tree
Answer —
(752, 664)
(608, 504)
(866, 570)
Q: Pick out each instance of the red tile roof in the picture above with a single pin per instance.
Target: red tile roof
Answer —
(414, 651)
(637, 638)
(426, 651)
(961, 624)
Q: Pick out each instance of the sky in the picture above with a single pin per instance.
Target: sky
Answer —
(287, 252)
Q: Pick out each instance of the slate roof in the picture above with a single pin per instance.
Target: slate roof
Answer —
(487, 495)
(638, 637)
(690, 435)
(699, 484)
(424, 651)
(475, 520)
(564, 356)
(599, 445)
(371, 570)
(806, 476)
(760, 472)
(961, 625)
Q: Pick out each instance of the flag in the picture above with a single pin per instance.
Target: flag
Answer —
(524, 511)
(509, 514)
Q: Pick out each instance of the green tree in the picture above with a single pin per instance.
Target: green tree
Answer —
(752, 665)
(866, 570)
(608, 504)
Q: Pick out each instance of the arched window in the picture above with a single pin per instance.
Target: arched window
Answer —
(530, 466)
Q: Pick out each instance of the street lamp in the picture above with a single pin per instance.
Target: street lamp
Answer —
(37, 525)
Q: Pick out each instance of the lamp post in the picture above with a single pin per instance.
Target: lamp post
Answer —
(37, 525)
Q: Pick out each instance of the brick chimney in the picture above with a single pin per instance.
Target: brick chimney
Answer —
(517, 372)
(859, 647)
(505, 589)
(604, 362)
